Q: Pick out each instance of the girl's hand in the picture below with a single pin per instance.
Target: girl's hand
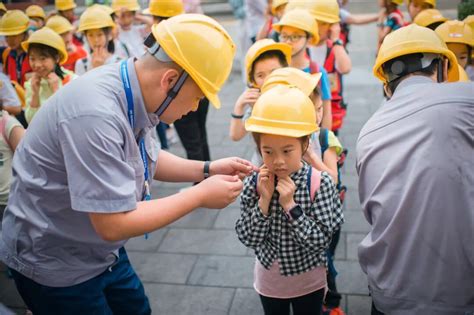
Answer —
(266, 183)
(286, 188)
(53, 81)
(335, 31)
(99, 56)
(249, 97)
(35, 82)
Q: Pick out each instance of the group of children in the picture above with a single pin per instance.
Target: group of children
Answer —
(291, 210)
(294, 108)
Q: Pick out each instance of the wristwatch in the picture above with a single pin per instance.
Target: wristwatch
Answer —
(207, 166)
(294, 213)
(338, 42)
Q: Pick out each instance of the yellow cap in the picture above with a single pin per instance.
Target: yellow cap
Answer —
(3, 7)
(283, 111)
(455, 32)
(48, 37)
(463, 77)
(35, 11)
(129, 5)
(202, 47)
(260, 47)
(103, 7)
(322, 10)
(14, 22)
(293, 77)
(276, 4)
(64, 5)
(59, 24)
(412, 39)
(430, 2)
(165, 8)
(300, 19)
(428, 17)
(469, 20)
(94, 18)
(397, 2)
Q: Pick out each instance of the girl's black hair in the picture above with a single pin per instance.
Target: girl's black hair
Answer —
(268, 55)
(49, 52)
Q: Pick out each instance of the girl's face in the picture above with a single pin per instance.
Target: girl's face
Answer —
(263, 68)
(97, 38)
(14, 41)
(318, 106)
(282, 155)
(294, 37)
(323, 29)
(67, 38)
(415, 7)
(126, 18)
(68, 14)
(461, 51)
(40, 63)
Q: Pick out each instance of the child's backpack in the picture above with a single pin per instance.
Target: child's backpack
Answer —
(324, 143)
(20, 91)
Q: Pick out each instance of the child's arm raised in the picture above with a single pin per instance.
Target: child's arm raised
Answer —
(237, 127)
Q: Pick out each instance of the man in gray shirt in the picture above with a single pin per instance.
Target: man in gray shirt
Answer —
(82, 173)
(415, 160)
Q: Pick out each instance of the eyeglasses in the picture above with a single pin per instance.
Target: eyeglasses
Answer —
(291, 38)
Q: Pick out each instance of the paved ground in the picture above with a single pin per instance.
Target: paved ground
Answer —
(197, 266)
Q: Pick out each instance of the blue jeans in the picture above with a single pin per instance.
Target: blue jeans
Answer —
(116, 291)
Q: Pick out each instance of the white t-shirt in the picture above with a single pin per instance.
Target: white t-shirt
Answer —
(85, 64)
(6, 154)
(134, 38)
(318, 54)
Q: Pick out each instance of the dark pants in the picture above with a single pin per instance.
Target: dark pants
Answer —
(192, 132)
(161, 130)
(117, 291)
(375, 311)
(333, 297)
(309, 304)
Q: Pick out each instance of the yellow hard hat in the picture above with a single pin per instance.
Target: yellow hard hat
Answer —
(94, 18)
(397, 2)
(59, 24)
(294, 77)
(455, 32)
(469, 20)
(130, 5)
(35, 11)
(463, 77)
(300, 19)
(14, 22)
(64, 5)
(412, 39)
(3, 7)
(428, 17)
(48, 37)
(103, 7)
(260, 47)
(430, 2)
(283, 111)
(201, 46)
(322, 10)
(276, 4)
(165, 8)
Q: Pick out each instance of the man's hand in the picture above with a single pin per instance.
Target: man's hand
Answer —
(232, 166)
(218, 191)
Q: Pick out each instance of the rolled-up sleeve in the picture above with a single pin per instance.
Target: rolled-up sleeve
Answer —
(100, 179)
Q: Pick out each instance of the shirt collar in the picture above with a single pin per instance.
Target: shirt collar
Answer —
(300, 176)
(143, 119)
(413, 80)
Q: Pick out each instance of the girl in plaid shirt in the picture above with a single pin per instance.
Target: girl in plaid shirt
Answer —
(288, 229)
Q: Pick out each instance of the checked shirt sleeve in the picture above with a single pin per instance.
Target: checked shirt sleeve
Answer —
(252, 226)
(314, 230)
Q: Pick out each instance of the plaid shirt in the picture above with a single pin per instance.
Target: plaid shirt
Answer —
(299, 245)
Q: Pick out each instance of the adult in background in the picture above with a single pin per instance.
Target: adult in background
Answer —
(416, 181)
(82, 173)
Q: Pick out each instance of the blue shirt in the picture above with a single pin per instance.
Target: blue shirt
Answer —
(325, 87)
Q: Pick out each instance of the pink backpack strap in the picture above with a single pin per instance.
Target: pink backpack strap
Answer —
(315, 182)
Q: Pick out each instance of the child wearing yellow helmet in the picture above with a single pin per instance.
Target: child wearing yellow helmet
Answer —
(65, 8)
(161, 10)
(275, 11)
(459, 38)
(430, 18)
(287, 205)
(469, 20)
(97, 25)
(261, 59)
(36, 15)
(129, 31)
(392, 21)
(47, 52)
(417, 6)
(65, 29)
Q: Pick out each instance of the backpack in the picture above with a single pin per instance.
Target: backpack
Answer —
(313, 181)
(324, 143)
(20, 91)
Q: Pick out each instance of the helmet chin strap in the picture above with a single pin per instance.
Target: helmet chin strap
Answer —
(154, 48)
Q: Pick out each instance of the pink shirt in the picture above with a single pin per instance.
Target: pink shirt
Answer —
(271, 283)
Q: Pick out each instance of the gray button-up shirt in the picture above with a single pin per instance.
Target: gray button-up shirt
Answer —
(79, 156)
(415, 159)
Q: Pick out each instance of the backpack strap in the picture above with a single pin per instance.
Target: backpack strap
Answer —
(5, 54)
(324, 140)
(84, 62)
(313, 67)
(313, 182)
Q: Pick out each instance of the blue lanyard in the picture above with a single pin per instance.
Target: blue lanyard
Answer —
(131, 120)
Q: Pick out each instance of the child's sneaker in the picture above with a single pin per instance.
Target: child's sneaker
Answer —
(332, 311)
